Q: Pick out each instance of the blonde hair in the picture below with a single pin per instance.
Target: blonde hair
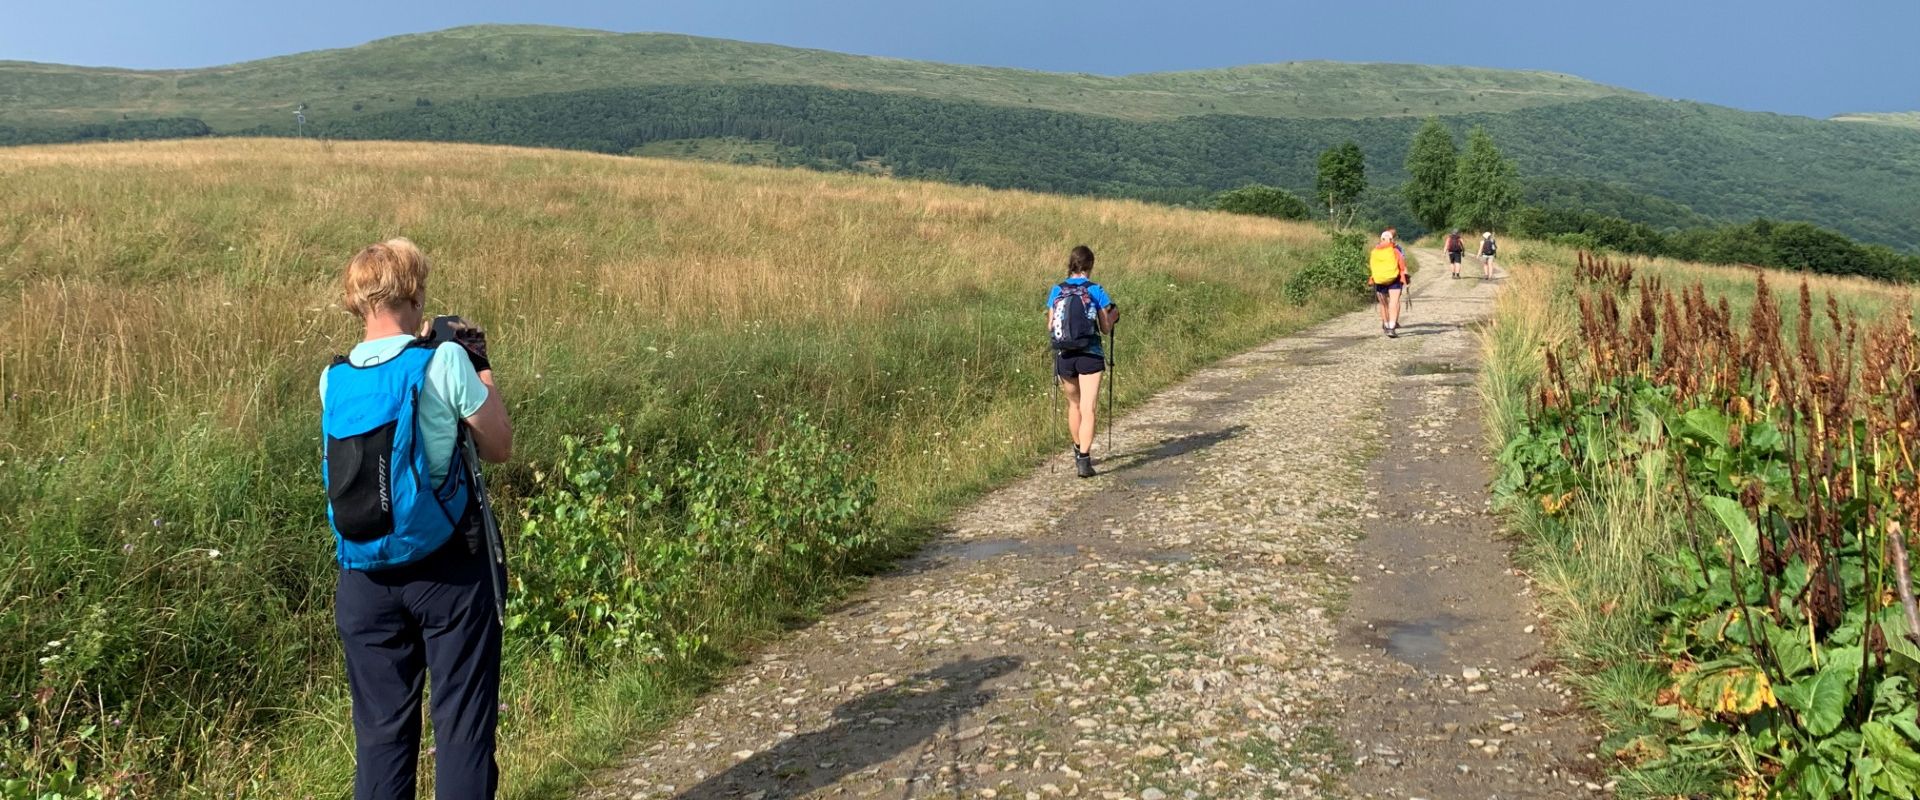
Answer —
(391, 274)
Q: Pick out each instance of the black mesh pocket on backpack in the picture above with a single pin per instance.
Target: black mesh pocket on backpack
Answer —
(359, 483)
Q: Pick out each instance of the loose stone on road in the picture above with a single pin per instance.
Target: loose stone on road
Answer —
(1202, 620)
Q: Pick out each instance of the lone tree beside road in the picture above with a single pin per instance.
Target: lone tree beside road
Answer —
(1430, 163)
(1341, 180)
(1486, 185)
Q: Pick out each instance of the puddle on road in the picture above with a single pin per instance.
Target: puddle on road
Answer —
(991, 548)
(1421, 642)
(1434, 368)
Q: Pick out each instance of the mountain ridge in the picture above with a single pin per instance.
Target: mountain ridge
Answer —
(501, 61)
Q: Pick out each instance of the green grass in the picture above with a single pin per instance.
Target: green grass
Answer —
(1904, 119)
(170, 305)
(511, 60)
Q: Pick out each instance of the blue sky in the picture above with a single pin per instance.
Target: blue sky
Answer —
(1814, 59)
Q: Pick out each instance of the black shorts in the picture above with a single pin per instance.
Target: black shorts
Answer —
(1069, 366)
(1383, 288)
(1454, 256)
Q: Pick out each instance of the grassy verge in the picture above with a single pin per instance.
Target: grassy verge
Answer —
(735, 390)
(1703, 484)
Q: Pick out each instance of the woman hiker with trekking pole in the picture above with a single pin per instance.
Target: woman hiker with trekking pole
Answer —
(1078, 312)
(421, 576)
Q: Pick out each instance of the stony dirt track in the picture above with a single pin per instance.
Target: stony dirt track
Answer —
(1204, 619)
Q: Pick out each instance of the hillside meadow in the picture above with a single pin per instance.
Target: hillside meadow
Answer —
(735, 390)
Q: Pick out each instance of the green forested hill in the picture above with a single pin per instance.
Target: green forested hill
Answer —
(505, 61)
(1167, 136)
(1605, 155)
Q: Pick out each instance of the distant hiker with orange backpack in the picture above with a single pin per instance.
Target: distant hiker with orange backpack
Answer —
(1387, 274)
(1078, 312)
(1456, 251)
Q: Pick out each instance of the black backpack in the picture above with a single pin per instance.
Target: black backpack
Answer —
(1072, 326)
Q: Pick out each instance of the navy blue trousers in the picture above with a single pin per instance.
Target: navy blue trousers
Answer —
(398, 626)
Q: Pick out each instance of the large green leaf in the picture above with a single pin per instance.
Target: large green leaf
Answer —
(1899, 771)
(1707, 422)
(1893, 625)
(1791, 648)
(1734, 517)
(1821, 699)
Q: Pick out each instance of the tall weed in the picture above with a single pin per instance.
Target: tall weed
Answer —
(1740, 499)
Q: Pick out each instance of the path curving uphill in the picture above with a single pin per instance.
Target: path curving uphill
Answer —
(1272, 590)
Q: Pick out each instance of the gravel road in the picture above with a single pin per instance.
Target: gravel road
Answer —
(1284, 584)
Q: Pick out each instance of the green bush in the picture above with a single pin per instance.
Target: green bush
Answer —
(1340, 269)
(618, 548)
(1262, 201)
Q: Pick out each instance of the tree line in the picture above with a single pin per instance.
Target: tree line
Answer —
(1479, 189)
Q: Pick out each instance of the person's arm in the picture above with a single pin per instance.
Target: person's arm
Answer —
(464, 376)
(1109, 313)
(492, 431)
(1401, 259)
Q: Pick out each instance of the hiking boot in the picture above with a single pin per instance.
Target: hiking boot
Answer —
(1083, 463)
(1393, 332)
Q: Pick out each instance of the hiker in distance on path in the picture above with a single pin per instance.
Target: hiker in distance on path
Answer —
(1387, 274)
(1078, 312)
(1456, 251)
(1487, 248)
(415, 594)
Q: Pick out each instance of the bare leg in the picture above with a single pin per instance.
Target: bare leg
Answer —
(1393, 308)
(1072, 391)
(1089, 401)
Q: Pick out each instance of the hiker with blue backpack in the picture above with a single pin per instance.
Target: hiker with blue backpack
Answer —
(403, 415)
(1078, 312)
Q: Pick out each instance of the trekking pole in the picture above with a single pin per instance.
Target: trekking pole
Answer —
(1053, 463)
(496, 547)
(1113, 335)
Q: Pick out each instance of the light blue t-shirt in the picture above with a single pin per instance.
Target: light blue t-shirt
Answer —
(1100, 301)
(452, 392)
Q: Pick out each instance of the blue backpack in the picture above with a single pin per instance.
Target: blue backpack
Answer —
(380, 501)
(1071, 326)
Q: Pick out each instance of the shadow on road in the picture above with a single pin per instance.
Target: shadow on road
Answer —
(1176, 446)
(1425, 329)
(871, 729)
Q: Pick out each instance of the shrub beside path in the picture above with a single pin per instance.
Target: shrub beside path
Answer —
(1202, 620)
